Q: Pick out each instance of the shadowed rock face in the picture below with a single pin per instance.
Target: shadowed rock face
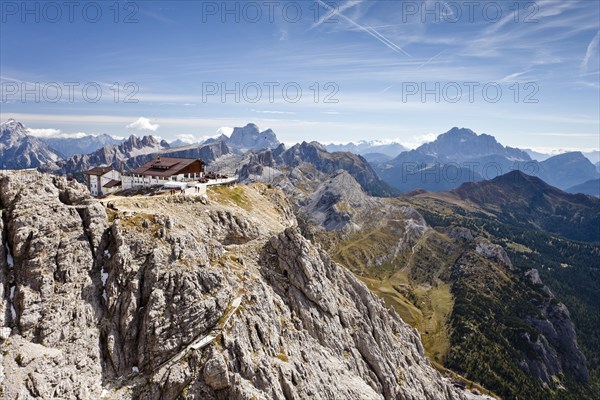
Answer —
(107, 305)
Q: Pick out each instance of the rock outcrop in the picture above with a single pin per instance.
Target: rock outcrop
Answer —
(169, 297)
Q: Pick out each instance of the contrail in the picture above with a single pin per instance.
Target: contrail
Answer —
(371, 31)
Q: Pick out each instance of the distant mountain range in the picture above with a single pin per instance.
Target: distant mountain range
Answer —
(18, 150)
(460, 155)
(591, 187)
(593, 156)
(455, 157)
(112, 155)
(385, 150)
(242, 139)
(363, 147)
(527, 201)
(68, 147)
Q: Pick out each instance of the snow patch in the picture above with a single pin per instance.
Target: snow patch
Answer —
(104, 277)
(9, 258)
(13, 312)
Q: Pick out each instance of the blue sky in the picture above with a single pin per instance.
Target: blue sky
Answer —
(378, 67)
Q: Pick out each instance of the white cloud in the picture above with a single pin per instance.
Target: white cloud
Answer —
(224, 130)
(54, 133)
(416, 141)
(187, 138)
(143, 124)
(552, 151)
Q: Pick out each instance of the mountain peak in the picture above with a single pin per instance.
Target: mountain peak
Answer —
(18, 150)
(572, 155)
(514, 183)
(250, 137)
(14, 127)
(459, 144)
(456, 131)
(533, 202)
(519, 177)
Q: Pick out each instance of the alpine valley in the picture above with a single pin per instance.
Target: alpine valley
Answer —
(374, 272)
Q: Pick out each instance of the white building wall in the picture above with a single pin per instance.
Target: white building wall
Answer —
(93, 185)
(109, 176)
(96, 183)
(131, 181)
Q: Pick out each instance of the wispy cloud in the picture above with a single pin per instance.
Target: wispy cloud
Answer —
(368, 29)
(513, 77)
(591, 53)
(330, 15)
(54, 133)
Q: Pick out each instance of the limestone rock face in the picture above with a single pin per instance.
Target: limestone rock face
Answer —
(53, 305)
(189, 298)
(336, 203)
(370, 352)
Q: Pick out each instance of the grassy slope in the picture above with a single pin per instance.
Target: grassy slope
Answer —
(569, 268)
(416, 283)
(417, 294)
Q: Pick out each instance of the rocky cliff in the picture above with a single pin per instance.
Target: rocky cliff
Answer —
(171, 297)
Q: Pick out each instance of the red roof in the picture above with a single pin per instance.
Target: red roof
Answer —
(165, 166)
(112, 184)
(99, 171)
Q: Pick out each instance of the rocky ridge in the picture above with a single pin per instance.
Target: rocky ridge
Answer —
(171, 297)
